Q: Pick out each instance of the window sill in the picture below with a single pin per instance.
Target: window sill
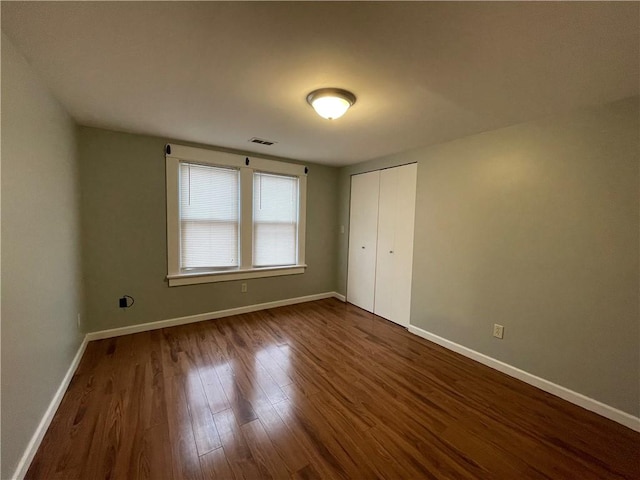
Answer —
(211, 277)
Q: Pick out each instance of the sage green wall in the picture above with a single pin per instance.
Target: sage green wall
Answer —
(124, 237)
(534, 227)
(41, 284)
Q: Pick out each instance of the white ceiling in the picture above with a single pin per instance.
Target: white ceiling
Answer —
(220, 73)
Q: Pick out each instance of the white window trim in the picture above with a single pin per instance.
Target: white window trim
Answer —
(177, 153)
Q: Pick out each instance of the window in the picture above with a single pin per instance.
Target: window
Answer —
(231, 217)
(209, 217)
(275, 219)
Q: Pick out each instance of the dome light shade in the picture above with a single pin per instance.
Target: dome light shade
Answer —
(331, 103)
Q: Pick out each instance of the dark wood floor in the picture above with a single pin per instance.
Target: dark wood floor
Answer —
(317, 390)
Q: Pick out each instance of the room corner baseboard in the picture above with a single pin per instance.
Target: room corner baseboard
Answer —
(172, 322)
(36, 439)
(339, 296)
(576, 398)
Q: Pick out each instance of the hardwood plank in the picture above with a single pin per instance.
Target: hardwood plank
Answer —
(215, 466)
(240, 404)
(237, 451)
(97, 352)
(263, 450)
(186, 463)
(127, 446)
(324, 461)
(204, 429)
(153, 402)
(176, 357)
(207, 360)
(152, 458)
(100, 460)
(283, 439)
(306, 473)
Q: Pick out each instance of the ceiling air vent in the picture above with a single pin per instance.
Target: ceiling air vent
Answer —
(261, 141)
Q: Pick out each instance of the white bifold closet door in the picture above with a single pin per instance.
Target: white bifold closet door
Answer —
(382, 218)
(394, 259)
(363, 228)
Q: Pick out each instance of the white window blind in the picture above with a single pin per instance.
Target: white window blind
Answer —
(209, 217)
(275, 219)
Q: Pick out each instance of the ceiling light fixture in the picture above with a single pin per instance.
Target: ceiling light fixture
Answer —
(331, 103)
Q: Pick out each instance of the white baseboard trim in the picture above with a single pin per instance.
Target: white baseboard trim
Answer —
(576, 398)
(36, 439)
(339, 296)
(172, 322)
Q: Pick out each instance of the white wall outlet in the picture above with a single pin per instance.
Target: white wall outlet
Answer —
(243, 288)
(341, 228)
(498, 331)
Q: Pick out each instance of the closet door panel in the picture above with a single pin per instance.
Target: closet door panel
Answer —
(363, 226)
(395, 243)
(387, 211)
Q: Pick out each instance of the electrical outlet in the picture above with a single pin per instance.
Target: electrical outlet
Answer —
(498, 331)
(243, 288)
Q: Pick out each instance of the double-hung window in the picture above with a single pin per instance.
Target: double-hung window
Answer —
(209, 217)
(275, 219)
(232, 217)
